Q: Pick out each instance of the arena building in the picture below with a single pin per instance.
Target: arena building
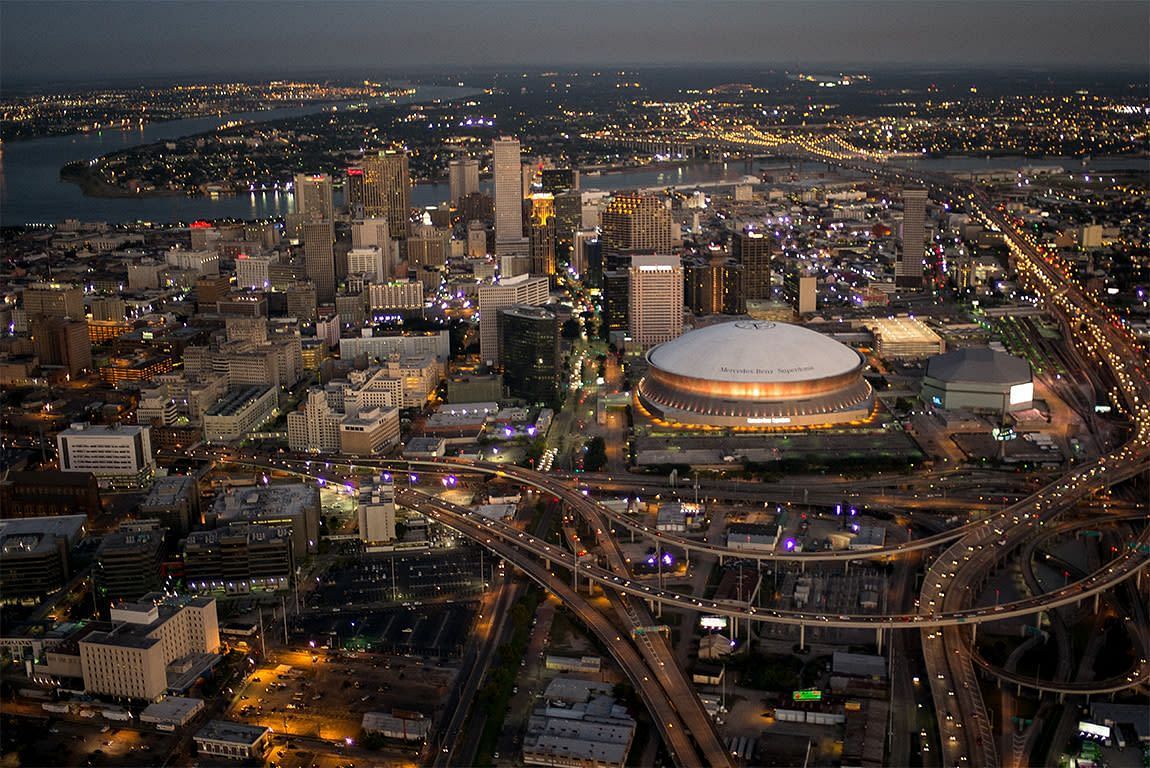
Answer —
(980, 379)
(755, 374)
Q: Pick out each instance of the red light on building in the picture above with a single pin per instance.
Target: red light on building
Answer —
(201, 224)
(354, 171)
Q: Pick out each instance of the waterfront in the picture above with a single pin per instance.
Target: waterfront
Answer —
(31, 191)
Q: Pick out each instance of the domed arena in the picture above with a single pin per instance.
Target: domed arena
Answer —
(755, 374)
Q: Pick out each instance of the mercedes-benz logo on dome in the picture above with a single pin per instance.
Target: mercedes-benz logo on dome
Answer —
(755, 325)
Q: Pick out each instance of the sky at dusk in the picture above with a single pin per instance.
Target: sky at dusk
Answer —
(51, 41)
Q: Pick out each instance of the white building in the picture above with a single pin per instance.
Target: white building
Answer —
(437, 343)
(200, 262)
(655, 311)
(368, 260)
(377, 511)
(156, 644)
(463, 177)
(253, 272)
(315, 427)
(508, 171)
(395, 296)
(521, 289)
(370, 432)
(239, 412)
(232, 741)
(118, 455)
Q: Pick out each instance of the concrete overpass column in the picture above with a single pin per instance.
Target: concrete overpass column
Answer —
(1062, 697)
(802, 636)
(878, 639)
(973, 633)
(1097, 601)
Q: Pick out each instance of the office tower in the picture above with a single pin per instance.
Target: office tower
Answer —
(752, 251)
(463, 178)
(128, 562)
(54, 300)
(368, 232)
(313, 196)
(319, 258)
(477, 207)
(585, 256)
(376, 510)
(529, 353)
(542, 234)
(557, 181)
(806, 295)
(635, 222)
(353, 192)
(253, 272)
(387, 190)
(616, 302)
(210, 289)
(908, 269)
(715, 288)
(118, 455)
(507, 167)
(315, 426)
(367, 260)
(655, 303)
(62, 342)
(108, 308)
(476, 240)
(520, 289)
(428, 247)
(302, 300)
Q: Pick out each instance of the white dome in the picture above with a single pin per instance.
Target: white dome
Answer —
(749, 351)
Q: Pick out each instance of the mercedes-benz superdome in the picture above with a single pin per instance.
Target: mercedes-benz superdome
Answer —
(755, 374)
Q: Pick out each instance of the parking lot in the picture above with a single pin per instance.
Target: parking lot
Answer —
(326, 698)
(436, 630)
(404, 577)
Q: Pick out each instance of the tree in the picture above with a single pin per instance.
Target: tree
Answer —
(596, 457)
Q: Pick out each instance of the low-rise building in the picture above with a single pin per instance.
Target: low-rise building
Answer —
(239, 558)
(369, 433)
(232, 741)
(35, 554)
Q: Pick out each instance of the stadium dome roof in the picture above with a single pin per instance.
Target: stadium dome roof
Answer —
(750, 351)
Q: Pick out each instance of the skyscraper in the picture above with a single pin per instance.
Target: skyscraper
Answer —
(529, 352)
(715, 288)
(353, 192)
(313, 195)
(62, 342)
(655, 311)
(507, 167)
(387, 190)
(752, 251)
(520, 289)
(635, 222)
(908, 269)
(560, 180)
(463, 176)
(319, 257)
(542, 234)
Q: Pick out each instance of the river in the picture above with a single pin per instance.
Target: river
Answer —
(31, 191)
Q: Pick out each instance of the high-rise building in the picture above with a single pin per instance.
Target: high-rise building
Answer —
(315, 427)
(377, 511)
(801, 292)
(463, 178)
(253, 272)
(476, 240)
(752, 251)
(715, 288)
(616, 302)
(655, 303)
(585, 255)
(908, 270)
(367, 260)
(62, 342)
(529, 352)
(507, 168)
(542, 234)
(636, 222)
(54, 300)
(520, 289)
(313, 195)
(117, 455)
(387, 190)
(556, 181)
(319, 257)
(353, 192)
(128, 562)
